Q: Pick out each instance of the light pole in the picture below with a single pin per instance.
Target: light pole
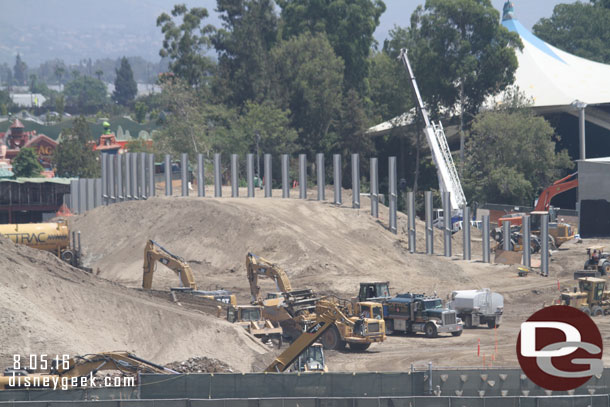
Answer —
(581, 106)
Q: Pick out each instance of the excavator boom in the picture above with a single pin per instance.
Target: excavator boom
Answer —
(257, 266)
(558, 187)
(154, 252)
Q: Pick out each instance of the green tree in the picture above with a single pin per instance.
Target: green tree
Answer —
(582, 29)
(243, 45)
(141, 109)
(60, 105)
(20, 71)
(74, 156)
(59, 72)
(26, 164)
(84, 93)
(308, 80)
(125, 87)
(99, 74)
(139, 146)
(185, 44)
(462, 54)
(510, 157)
(348, 24)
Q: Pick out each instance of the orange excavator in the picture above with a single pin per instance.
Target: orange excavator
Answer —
(559, 232)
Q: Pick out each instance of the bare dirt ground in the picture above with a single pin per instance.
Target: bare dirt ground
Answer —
(328, 248)
(49, 307)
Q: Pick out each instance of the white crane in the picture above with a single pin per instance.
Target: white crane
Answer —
(448, 178)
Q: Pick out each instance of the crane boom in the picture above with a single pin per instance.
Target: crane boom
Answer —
(448, 178)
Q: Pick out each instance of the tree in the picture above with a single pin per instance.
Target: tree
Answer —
(185, 44)
(243, 45)
(19, 71)
(59, 72)
(125, 87)
(582, 29)
(85, 93)
(74, 156)
(141, 110)
(99, 74)
(348, 24)
(510, 157)
(26, 164)
(308, 77)
(465, 53)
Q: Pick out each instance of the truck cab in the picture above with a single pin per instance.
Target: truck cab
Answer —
(312, 360)
(251, 318)
(379, 290)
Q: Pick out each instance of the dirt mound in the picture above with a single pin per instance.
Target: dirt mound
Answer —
(321, 246)
(50, 307)
(200, 365)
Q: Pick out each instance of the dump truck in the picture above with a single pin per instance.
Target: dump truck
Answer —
(53, 237)
(477, 307)
(590, 297)
(251, 318)
(411, 313)
(154, 252)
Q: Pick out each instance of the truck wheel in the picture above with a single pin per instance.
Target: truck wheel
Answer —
(430, 330)
(468, 321)
(359, 347)
(67, 256)
(586, 310)
(389, 327)
(587, 265)
(605, 268)
(597, 311)
(458, 333)
(331, 339)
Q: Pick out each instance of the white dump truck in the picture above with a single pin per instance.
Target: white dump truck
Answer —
(477, 307)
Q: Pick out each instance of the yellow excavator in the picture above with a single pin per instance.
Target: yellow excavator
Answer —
(328, 315)
(294, 309)
(251, 318)
(74, 371)
(154, 252)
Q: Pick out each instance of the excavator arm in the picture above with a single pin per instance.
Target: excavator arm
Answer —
(154, 252)
(257, 266)
(327, 313)
(558, 187)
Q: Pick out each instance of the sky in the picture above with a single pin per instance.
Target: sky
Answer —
(128, 26)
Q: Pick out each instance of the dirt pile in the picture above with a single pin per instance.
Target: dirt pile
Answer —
(50, 307)
(200, 365)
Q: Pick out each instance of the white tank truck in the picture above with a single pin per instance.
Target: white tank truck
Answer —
(477, 307)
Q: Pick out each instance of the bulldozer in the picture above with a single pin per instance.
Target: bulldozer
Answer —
(590, 297)
(251, 318)
(73, 372)
(154, 252)
(295, 309)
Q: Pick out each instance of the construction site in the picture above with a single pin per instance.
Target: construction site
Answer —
(195, 291)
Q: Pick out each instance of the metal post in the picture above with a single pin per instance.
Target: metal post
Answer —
(104, 159)
(485, 237)
(111, 185)
(268, 176)
(506, 235)
(119, 178)
(250, 174)
(234, 176)
(134, 175)
(527, 240)
(581, 128)
(429, 227)
(392, 190)
(82, 195)
(466, 229)
(411, 215)
(337, 178)
(127, 177)
(285, 182)
(302, 176)
(98, 192)
(184, 165)
(168, 175)
(143, 176)
(74, 196)
(200, 176)
(355, 181)
(90, 194)
(320, 175)
(151, 175)
(217, 175)
(374, 188)
(73, 241)
(447, 221)
(544, 243)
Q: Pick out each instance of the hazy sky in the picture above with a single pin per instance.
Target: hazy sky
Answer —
(87, 23)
